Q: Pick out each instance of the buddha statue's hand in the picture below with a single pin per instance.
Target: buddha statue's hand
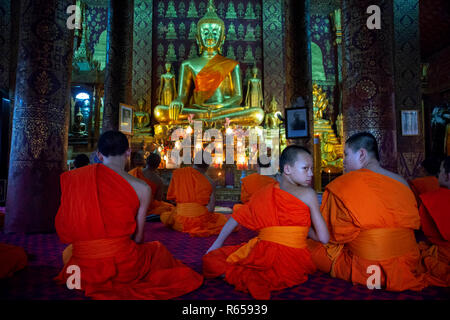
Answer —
(175, 109)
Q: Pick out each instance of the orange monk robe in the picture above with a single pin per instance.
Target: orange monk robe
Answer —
(12, 259)
(156, 206)
(435, 221)
(423, 185)
(278, 257)
(192, 190)
(97, 216)
(371, 219)
(252, 183)
(211, 76)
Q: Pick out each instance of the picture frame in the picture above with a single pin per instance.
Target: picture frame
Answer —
(126, 118)
(297, 125)
(410, 122)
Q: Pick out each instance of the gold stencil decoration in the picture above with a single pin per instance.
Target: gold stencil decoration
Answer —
(161, 9)
(240, 10)
(192, 11)
(231, 12)
(170, 55)
(193, 51)
(249, 58)
(250, 35)
(240, 32)
(240, 53)
(249, 13)
(181, 9)
(192, 31)
(171, 12)
(36, 132)
(160, 52)
(230, 53)
(171, 33)
(182, 30)
(181, 51)
(231, 35)
(161, 30)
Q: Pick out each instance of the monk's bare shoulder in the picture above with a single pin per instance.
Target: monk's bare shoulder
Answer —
(210, 180)
(394, 176)
(307, 195)
(141, 188)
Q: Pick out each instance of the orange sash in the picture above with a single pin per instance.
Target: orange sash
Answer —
(383, 243)
(289, 236)
(191, 209)
(101, 248)
(211, 76)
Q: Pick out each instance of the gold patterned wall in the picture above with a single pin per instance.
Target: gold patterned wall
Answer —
(174, 29)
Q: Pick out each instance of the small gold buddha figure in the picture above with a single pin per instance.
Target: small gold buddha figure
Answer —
(272, 121)
(320, 103)
(254, 97)
(141, 117)
(167, 89)
(79, 128)
(202, 91)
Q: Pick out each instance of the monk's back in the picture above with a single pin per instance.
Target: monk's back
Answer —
(375, 200)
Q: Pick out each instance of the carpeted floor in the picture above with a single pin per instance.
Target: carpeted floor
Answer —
(35, 282)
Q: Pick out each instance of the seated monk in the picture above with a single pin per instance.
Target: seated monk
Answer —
(435, 220)
(371, 214)
(102, 214)
(194, 193)
(149, 175)
(12, 259)
(431, 166)
(281, 213)
(254, 182)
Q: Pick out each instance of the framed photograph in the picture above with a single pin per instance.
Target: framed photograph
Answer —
(410, 122)
(296, 123)
(125, 118)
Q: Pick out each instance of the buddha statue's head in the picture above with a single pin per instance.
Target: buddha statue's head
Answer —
(210, 31)
(168, 66)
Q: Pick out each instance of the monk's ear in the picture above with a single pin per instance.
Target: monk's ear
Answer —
(362, 154)
(128, 153)
(100, 156)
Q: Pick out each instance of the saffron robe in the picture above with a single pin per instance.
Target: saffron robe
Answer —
(97, 216)
(274, 260)
(423, 185)
(435, 220)
(253, 183)
(12, 259)
(192, 190)
(371, 219)
(156, 206)
(211, 76)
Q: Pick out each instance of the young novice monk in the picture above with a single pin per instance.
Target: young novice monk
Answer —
(102, 214)
(149, 175)
(282, 214)
(194, 192)
(254, 182)
(435, 222)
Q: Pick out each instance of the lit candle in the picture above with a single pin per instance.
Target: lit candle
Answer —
(329, 171)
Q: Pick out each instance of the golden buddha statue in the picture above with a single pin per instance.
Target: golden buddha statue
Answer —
(202, 91)
(167, 89)
(79, 127)
(271, 121)
(254, 97)
(330, 146)
(141, 118)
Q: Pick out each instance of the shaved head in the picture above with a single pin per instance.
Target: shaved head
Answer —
(290, 154)
(364, 140)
